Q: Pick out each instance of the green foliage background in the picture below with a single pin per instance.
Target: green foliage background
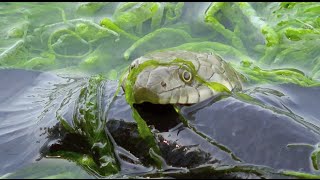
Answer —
(100, 37)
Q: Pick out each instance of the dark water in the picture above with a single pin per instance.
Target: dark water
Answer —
(219, 132)
(259, 134)
(28, 109)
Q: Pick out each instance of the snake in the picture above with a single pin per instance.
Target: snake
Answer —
(181, 77)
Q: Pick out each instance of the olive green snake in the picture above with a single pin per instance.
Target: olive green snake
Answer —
(181, 77)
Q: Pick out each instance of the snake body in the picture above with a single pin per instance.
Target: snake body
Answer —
(175, 84)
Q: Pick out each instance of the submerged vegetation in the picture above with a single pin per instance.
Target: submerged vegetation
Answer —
(275, 42)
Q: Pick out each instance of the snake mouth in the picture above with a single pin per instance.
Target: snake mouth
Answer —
(162, 117)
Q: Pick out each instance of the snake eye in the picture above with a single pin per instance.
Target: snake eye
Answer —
(186, 76)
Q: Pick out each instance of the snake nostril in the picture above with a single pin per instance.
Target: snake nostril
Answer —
(163, 84)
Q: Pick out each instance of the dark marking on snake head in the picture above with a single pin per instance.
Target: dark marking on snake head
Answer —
(163, 84)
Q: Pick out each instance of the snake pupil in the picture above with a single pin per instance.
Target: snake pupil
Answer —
(186, 76)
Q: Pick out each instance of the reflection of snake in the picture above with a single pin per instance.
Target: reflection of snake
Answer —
(182, 77)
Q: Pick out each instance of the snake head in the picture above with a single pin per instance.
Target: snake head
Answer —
(169, 81)
(169, 85)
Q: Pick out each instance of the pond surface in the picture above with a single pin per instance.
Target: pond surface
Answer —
(61, 115)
